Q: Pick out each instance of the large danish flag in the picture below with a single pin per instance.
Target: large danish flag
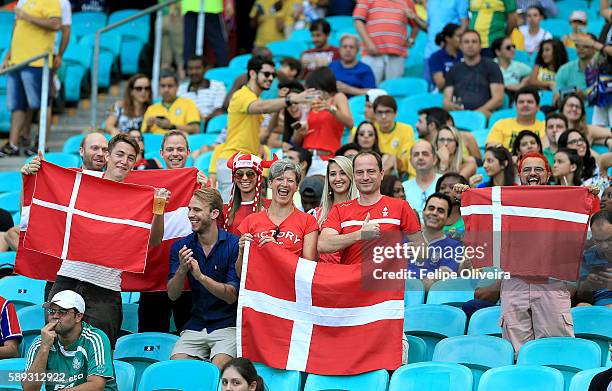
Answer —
(301, 315)
(529, 231)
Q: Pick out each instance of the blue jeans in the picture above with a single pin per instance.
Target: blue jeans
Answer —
(214, 33)
(23, 88)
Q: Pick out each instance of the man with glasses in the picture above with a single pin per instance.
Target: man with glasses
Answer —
(172, 112)
(424, 159)
(595, 286)
(69, 353)
(245, 117)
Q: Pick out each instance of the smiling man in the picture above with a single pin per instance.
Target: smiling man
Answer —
(424, 159)
(93, 151)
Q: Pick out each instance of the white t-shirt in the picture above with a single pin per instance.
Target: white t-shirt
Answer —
(532, 42)
(206, 99)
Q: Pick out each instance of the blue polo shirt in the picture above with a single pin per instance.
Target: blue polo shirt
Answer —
(441, 61)
(359, 76)
(207, 310)
(442, 252)
(593, 259)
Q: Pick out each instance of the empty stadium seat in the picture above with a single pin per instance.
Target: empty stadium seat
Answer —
(16, 218)
(417, 349)
(144, 349)
(357, 107)
(22, 291)
(164, 376)
(10, 201)
(595, 324)
(453, 292)
(62, 159)
(125, 375)
(477, 352)
(226, 75)
(5, 115)
(581, 380)
(302, 35)
(414, 292)
(73, 144)
(240, 62)
(408, 117)
(197, 141)
(431, 376)
(202, 163)
(404, 86)
(522, 56)
(414, 103)
(568, 355)
(217, 124)
(521, 378)
(10, 181)
(558, 28)
(433, 322)
(546, 98)
(134, 35)
(340, 22)
(481, 137)
(11, 365)
(152, 142)
(7, 18)
(77, 60)
(87, 22)
(485, 321)
(281, 49)
(7, 259)
(278, 379)
(31, 320)
(468, 119)
(110, 49)
(129, 323)
(371, 381)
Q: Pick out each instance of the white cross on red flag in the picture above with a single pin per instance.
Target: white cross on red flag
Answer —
(84, 218)
(320, 318)
(528, 231)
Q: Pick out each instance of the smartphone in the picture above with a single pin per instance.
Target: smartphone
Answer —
(296, 125)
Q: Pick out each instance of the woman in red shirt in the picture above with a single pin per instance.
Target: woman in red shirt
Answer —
(282, 223)
(329, 115)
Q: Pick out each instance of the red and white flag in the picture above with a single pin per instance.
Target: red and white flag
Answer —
(180, 182)
(302, 315)
(528, 231)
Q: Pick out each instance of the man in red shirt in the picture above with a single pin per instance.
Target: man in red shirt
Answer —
(323, 53)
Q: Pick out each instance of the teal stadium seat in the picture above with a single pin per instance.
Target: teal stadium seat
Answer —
(357, 107)
(5, 115)
(7, 18)
(521, 378)
(125, 375)
(197, 141)
(87, 22)
(340, 22)
(11, 365)
(371, 381)
(568, 355)
(134, 35)
(152, 142)
(582, 380)
(485, 321)
(431, 376)
(144, 349)
(404, 86)
(417, 351)
(66, 160)
(110, 49)
(164, 376)
(16, 218)
(240, 62)
(468, 119)
(7, 259)
(522, 56)
(453, 292)
(278, 379)
(77, 60)
(433, 322)
(595, 324)
(410, 118)
(10, 201)
(10, 181)
(558, 28)
(414, 292)
(303, 36)
(226, 75)
(22, 291)
(546, 98)
(73, 144)
(202, 163)
(217, 124)
(282, 49)
(477, 352)
(130, 297)
(129, 323)
(3, 80)
(417, 102)
(31, 319)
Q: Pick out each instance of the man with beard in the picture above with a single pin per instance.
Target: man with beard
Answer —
(454, 225)
(245, 116)
(93, 151)
(596, 271)
(206, 258)
(69, 346)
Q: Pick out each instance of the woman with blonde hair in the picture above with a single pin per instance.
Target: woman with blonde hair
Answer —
(449, 148)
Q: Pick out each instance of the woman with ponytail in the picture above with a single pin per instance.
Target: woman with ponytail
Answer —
(443, 60)
(239, 374)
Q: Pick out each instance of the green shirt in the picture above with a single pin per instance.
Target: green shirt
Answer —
(456, 230)
(549, 155)
(570, 75)
(489, 18)
(210, 6)
(89, 355)
(515, 72)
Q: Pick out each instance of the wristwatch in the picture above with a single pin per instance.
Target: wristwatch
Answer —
(288, 101)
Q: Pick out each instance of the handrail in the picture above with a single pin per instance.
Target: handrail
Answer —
(156, 53)
(44, 94)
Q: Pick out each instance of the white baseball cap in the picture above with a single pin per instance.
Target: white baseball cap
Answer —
(579, 16)
(67, 299)
(374, 93)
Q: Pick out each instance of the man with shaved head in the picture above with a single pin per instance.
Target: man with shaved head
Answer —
(93, 151)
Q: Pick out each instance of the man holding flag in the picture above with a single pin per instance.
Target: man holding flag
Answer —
(100, 286)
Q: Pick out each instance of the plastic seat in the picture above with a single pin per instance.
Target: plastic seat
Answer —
(87, 22)
(371, 381)
(408, 117)
(485, 321)
(278, 379)
(477, 352)
(414, 292)
(217, 124)
(224, 74)
(568, 355)
(7, 259)
(31, 319)
(144, 349)
(433, 322)
(8, 365)
(77, 60)
(152, 142)
(281, 49)
(417, 349)
(10, 181)
(357, 106)
(10, 201)
(125, 375)
(521, 378)
(197, 141)
(240, 62)
(202, 163)
(7, 18)
(417, 102)
(66, 160)
(558, 28)
(134, 35)
(453, 292)
(163, 376)
(5, 115)
(129, 324)
(404, 86)
(73, 144)
(431, 376)
(22, 291)
(468, 119)
(595, 324)
(340, 22)
(303, 36)
(521, 56)
(110, 49)
(582, 380)
(546, 98)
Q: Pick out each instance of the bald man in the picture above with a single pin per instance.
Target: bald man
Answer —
(93, 149)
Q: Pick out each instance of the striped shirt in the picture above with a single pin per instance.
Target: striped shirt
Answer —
(386, 24)
(9, 324)
(206, 99)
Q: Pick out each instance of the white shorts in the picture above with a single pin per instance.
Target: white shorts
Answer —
(206, 346)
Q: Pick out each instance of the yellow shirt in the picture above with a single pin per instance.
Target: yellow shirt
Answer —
(505, 131)
(517, 39)
(181, 112)
(242, 127)
(267, 17)
(398, 143)
(30, 40)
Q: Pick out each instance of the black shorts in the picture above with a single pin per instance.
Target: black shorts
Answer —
(103, 308)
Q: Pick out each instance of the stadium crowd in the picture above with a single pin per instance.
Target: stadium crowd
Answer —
(299, 161)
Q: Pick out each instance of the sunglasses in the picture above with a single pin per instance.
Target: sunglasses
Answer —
(62, 311)
(268, 74)
(240, 174)
(508, 47)
(141, 88)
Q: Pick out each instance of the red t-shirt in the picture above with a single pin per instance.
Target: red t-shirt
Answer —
(246, 208)
(392, 214)
(326, 133)
(291, 231)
